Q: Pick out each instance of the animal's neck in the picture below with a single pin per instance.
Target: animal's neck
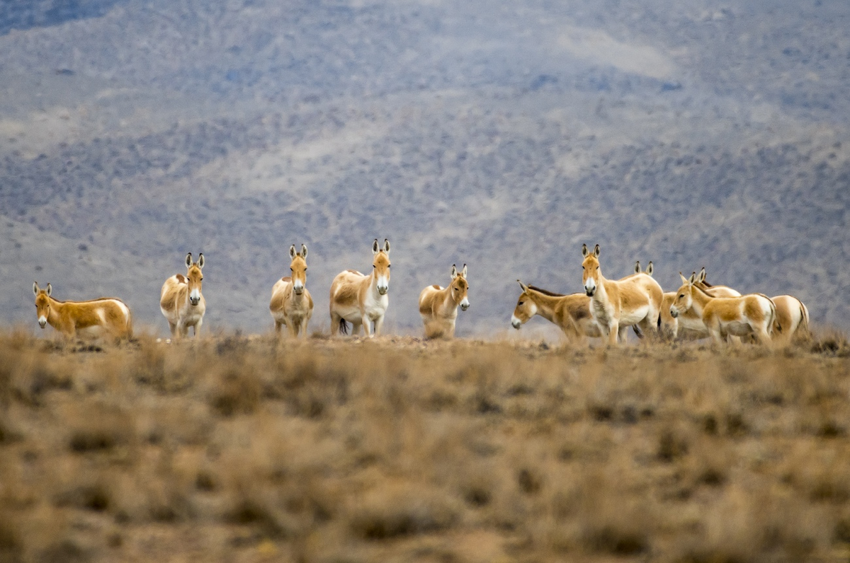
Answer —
(545, 305)
(699, 299)
(55, 313)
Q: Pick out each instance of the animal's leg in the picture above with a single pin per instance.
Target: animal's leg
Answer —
(622, 334)
(355, 327)
(277, 327)
(173, 328)
(293, 328)
(304, 322)
(613, 331)
(379, 323)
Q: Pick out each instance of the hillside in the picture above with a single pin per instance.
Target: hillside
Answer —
(688, 133)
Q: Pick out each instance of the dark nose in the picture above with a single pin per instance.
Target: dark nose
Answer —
(589, 292)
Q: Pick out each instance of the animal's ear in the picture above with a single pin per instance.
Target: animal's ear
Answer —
(189, 260)
(292, 251)
(35, 288)
(596, 251)
(650, 269)
(454, 271)
(684, 279)
(692, 280)
(522, 285)
(201, 260)
(49, 290)
(637, 267)
(386, 246)
(584, 251)
(701, 277)
(463, 272)
(375, 248)
(303, 250)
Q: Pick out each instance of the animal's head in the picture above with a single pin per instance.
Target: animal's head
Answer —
(525, 307)
(668, 325)
(195, 277)
(460, 287)
(590, 270)
(42, 303)
(298, 267)
(381, 265)
(684, 299)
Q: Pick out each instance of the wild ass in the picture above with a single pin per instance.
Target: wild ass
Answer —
(792, 316)
(181, 301)
(724, 317)
(571, 313)
(634, 300)
(688, 325)
(438, 306)
(103, 315)
(291, 303)
(356, 297)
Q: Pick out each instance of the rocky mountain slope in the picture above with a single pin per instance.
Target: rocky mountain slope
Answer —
(503, 136)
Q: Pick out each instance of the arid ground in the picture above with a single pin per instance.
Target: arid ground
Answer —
(240, 448)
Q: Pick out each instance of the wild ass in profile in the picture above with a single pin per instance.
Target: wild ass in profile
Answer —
(291, 303)
(688, 325)
(571, 313)
(361, 299)
(181, 300)
(106, 315)
(438, 306)
(724, 317)
(634, 300)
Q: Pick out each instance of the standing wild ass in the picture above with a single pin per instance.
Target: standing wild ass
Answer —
(791, 316)
(688, 324)
(291, 303)
(438, 306)
(571, 313)
(634, 300)
(724, 317)
(181, 301)
(104, 315)
(361, 299)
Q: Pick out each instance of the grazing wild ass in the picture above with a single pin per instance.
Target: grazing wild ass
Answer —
(104, 315)
(688, 325)
(291, 303)
(792, 318)
(361, 299)
(724, 317)
(571, 313)
(438, 306)
(634, 300)
(181, 301)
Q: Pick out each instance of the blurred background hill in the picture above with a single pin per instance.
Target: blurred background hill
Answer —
(499, 134)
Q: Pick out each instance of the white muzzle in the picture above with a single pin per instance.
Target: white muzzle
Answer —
(515, 322)
(383, 286)
(194, 297)
(674, 313)
(590, 287)
(298, 288)
(464, 305)
(42, 321)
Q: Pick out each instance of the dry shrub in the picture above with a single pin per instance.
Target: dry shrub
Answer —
(237, 390)
(401, 510)
(100, 428)
(11, 544)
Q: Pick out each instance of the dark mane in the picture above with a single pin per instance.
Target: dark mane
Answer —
(545, 291)
(706, 284)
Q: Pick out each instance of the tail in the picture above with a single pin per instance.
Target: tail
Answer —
(343, 326)
(804, 318)
(772, 322)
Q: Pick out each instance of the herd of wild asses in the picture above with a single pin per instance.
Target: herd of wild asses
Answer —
(606, 309)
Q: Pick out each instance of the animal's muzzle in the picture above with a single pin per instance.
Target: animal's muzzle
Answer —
(383, 290)
(194, 301)
(516, 324)
(590, 291)
(298, 290)
(674, 313)
(464, 307)
(42, 324)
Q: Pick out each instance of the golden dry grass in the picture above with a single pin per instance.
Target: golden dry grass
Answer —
(246, 449)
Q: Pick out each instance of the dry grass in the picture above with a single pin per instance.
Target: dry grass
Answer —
(247, 449)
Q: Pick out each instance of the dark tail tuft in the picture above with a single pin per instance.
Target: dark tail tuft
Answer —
(343, 327)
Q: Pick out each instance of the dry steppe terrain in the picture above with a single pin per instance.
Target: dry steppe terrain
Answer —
(238, 448)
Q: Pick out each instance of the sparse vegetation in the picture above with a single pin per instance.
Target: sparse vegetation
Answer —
(253, 449)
